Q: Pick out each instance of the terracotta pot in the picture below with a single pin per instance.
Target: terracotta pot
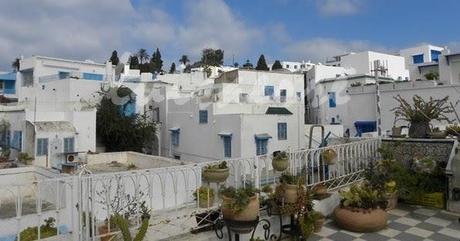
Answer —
(205, 202)
(216, 175)
(319, 225)
(290, 193)
(362, 221)
(103, 230)
(249, 213)
(280, 164)
(392, 200)
(329, 156)
(419, 129)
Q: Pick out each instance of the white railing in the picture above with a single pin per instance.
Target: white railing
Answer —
(81, 204)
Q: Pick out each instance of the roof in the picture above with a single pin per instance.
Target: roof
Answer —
(352, 77)
(8, 76)
(54, 126)
(263, 136)
(278, 111)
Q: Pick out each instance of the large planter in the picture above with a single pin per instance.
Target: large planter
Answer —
(216, 175)
(280, 164)
(329, 156)
(419, 129)
(290, 193)
(250, 213)
(363, 221)
(438, 135)
(103, 232)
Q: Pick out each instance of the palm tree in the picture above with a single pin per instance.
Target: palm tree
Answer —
(16, 64)
(184, 59)
(142, 55)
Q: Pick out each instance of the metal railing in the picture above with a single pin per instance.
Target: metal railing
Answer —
(81, 204)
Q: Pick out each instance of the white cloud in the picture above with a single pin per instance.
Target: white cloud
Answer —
(339, 7)
(319, 49)
(211, 23)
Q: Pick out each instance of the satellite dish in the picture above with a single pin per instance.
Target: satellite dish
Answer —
(118, 70)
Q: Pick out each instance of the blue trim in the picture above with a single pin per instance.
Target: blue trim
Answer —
(418, 59)
(269, 90)
(332, 99)
(91, 76)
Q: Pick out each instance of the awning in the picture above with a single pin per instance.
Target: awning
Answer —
(365, 126)
(174, 129)
(278, 111)
(54, 126)
(264, 136)
(223, 134)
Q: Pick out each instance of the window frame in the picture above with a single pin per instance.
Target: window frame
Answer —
(227, 140)
(261, 147)
(269, 90)
(203, 116)
(418, 59)
(42, 148)
(282, 131)
(66, 144)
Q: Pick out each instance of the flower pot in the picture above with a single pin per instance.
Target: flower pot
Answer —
(103, 232)
(280, 164)
(329, 156)
(438, 135)
(249, 213)
(216, 175)
(419, 129)
(206, 202)
(392, 199)
(318, 225)
(361, 221)
(290, 193)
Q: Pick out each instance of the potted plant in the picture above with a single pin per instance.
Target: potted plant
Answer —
(361, 209)
(290, 185)
(280, 161)
(240, 204)
(123, 225)
(46, 230)
(329, 156)
(421, 113)
(204, 197)
(216, 173)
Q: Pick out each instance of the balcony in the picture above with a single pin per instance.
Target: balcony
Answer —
(72, 75)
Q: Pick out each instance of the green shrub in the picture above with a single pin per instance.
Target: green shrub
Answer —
(46, 230)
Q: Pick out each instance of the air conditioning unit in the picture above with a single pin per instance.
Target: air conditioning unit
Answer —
(71, 158)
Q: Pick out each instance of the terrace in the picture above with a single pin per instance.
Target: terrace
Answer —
(82, 204)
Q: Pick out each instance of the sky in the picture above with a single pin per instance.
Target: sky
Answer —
(280, 29)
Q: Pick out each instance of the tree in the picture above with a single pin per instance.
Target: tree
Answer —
(188, 68)
(236, 64)
(133, 62)
(172, 70)
(142, 55)
(277, 65)
(432, 76)
(261, 64)
(248, 65)
(16, 64)
(184, 59)
(212, 57)
(156, 64)
(114, 58)
(118, 131)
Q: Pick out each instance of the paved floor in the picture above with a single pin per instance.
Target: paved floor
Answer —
(406, 223)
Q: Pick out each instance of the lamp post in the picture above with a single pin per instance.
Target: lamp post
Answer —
(379, 69)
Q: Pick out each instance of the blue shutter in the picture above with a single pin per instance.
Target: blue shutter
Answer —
(418, 59)
(42, 146)
(227, 146)
(175, 138)
(17, 140)
(69, 145)
(63, 75)
(282, 131)
(261, 147)
(269, 90)
(332, 100)
(203, 116)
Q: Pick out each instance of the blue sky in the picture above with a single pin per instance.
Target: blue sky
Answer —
(281, 29)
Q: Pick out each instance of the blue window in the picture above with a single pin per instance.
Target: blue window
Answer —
(435, 55)
(282, 131)
(69, 145)
(283, 94)
(175, 138)
(42, 146)
(17, 140)
(90, 76)
(269, 90)
(63, 75)
(261, 146)
(418, 59)
(332, 100)
(227, 146)
(203, 116)
(5, 139)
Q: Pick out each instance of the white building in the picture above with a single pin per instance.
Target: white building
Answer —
(421, 60)
(295, 66)
(242, 114)
(449, 67)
